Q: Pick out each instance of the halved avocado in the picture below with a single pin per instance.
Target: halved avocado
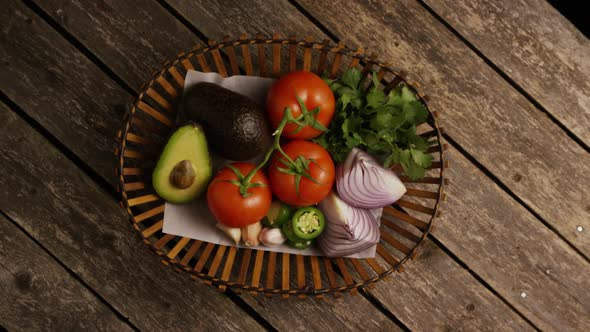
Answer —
(184, 168)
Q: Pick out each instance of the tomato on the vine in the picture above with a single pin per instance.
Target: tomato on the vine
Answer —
(233, 208)
(287, 181)
(310, 100)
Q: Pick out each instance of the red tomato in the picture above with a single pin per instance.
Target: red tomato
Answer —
(321, 168)
(227, 204)
(313, 92)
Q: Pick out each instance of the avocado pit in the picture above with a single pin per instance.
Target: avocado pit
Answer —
(183, 175)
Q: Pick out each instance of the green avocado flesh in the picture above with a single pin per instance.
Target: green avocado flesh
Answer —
(184, 168)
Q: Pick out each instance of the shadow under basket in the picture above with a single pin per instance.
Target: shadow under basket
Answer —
(151, 120)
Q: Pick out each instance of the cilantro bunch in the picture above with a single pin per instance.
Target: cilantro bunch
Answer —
(383, 125)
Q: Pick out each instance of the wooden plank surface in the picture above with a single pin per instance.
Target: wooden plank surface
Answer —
(278, 316)
(86, 229)
(347, 313)
(139, 51)
(37, 294)
(536, 46)
(434, 293)
(218, 18)
(506, 246)
(531, 155)
(63, 91)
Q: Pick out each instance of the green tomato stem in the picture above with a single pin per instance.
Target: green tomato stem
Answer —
(245, 181)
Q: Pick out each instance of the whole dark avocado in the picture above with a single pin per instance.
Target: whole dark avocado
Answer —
(235, 125)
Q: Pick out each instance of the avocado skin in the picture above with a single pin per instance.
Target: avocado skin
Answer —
(235, 125)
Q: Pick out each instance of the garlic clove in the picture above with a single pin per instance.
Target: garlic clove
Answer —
(232, 233)
(250, 234)
(272, 237)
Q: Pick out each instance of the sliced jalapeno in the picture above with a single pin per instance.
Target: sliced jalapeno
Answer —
(277, 215)
(308, 223)
(287, 229)
(301, 244)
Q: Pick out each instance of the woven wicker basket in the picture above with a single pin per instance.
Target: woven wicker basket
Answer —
(151, 120)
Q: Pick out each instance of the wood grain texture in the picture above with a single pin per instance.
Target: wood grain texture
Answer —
(37, 294)
(479, 109)
(536, 46)
(59, 87)
(347, 313)
(504, 245)
(219, 17)
(86, 229)
(434, 293)
(117, 31)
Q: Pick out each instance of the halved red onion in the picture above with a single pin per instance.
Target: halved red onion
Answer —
(348, 229)
(377, 213)
(362, 182)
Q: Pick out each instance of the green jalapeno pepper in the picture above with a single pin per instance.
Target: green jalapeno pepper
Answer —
(287, 229)
(292, 240)
(278, 214)
(301, 244)
(308, 223)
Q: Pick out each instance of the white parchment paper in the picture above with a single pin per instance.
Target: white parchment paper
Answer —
(194, 220)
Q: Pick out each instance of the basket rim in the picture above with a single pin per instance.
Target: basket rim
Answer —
(308, 42)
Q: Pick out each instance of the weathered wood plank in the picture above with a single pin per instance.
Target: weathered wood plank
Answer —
(479, 109)
(347, 313)
(36, 294)
(86, 229)
(278, 315)
(434, 293)
(139, 50)
(220, 18)
(505, 246)
(70, 110)
(59, 87)
(536, 46)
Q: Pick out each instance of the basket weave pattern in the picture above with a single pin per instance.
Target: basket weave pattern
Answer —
(152, 119)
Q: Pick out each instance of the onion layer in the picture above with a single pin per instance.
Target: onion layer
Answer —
(362, 182)
(348, 229)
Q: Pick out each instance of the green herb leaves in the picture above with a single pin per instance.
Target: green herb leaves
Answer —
(383, 125)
